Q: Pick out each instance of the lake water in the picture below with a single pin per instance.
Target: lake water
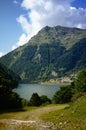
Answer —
(26, 90)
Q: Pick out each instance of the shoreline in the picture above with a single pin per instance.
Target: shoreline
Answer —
(48, 82)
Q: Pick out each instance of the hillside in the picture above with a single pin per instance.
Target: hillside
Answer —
(71, 118)
(7, 77)
(8, 99)
(53, 52)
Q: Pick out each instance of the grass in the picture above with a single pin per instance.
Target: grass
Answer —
(70, 118)
(12, 114)
(65, 117)
(31, 113)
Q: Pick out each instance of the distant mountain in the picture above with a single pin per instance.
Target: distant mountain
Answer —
(8, 78)
(53, 52)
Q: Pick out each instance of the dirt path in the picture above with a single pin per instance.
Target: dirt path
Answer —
(30, 120)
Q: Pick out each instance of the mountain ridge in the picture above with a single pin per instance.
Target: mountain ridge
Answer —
(54, 49)
(57, 33)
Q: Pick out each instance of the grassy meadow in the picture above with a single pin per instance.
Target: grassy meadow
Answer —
(59, 117)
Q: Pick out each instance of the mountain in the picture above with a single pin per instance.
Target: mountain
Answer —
(53, 52)
(7, 77)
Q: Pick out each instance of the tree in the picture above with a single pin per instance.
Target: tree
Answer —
(74, 91)
(45, 99)
(9, 99)
(35, 100)
(80, 83)
(63, 95)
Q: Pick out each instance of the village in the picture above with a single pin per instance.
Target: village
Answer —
(65, 79)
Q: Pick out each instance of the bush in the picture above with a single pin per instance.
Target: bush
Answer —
(9, 99)
(35, 100)
(64, 95)
(45, 100)
(80, 83)
(74, 91)
(77, 96)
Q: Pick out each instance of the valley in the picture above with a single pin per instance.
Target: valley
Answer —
(55, 54)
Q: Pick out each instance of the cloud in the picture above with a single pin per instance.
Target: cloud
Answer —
(1, 54)
(53, 12)
(49, 12)
(15, 2)
(24, 24)
(21, 41)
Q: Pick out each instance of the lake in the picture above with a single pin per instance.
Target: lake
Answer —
(26, 90)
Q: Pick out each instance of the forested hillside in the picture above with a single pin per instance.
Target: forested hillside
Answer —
(8, 77)
(52, 53)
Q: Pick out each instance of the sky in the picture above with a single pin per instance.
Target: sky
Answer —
(22, 19)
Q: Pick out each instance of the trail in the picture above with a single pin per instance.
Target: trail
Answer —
(31, 120)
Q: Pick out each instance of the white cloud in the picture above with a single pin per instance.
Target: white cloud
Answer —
(22, 40)
(15, 2)
(1, 54)
(14, 47)
(24, 23)
(49, 12)
(53, 12)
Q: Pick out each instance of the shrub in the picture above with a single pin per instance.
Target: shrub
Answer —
(45, 100)
(35, 100)
(63, 95)
(80, 83)
(9, 99)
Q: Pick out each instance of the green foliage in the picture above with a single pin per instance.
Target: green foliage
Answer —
(64, 95)
(72, 92)
(80, 83)
(35, 100)
(7, 77)
(45, 100)
(9, 99)
(73, 59)
(8, 80)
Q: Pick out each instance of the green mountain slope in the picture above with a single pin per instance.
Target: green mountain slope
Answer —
(66, 36)
(54, 51)
(73, 59)
(8, 98)
(7, 77)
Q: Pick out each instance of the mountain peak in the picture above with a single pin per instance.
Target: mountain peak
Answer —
(54, 49)
(65, 35)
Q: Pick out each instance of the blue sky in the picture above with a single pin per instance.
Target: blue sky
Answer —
(79, 3)
(10, 29)
(21, 19)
